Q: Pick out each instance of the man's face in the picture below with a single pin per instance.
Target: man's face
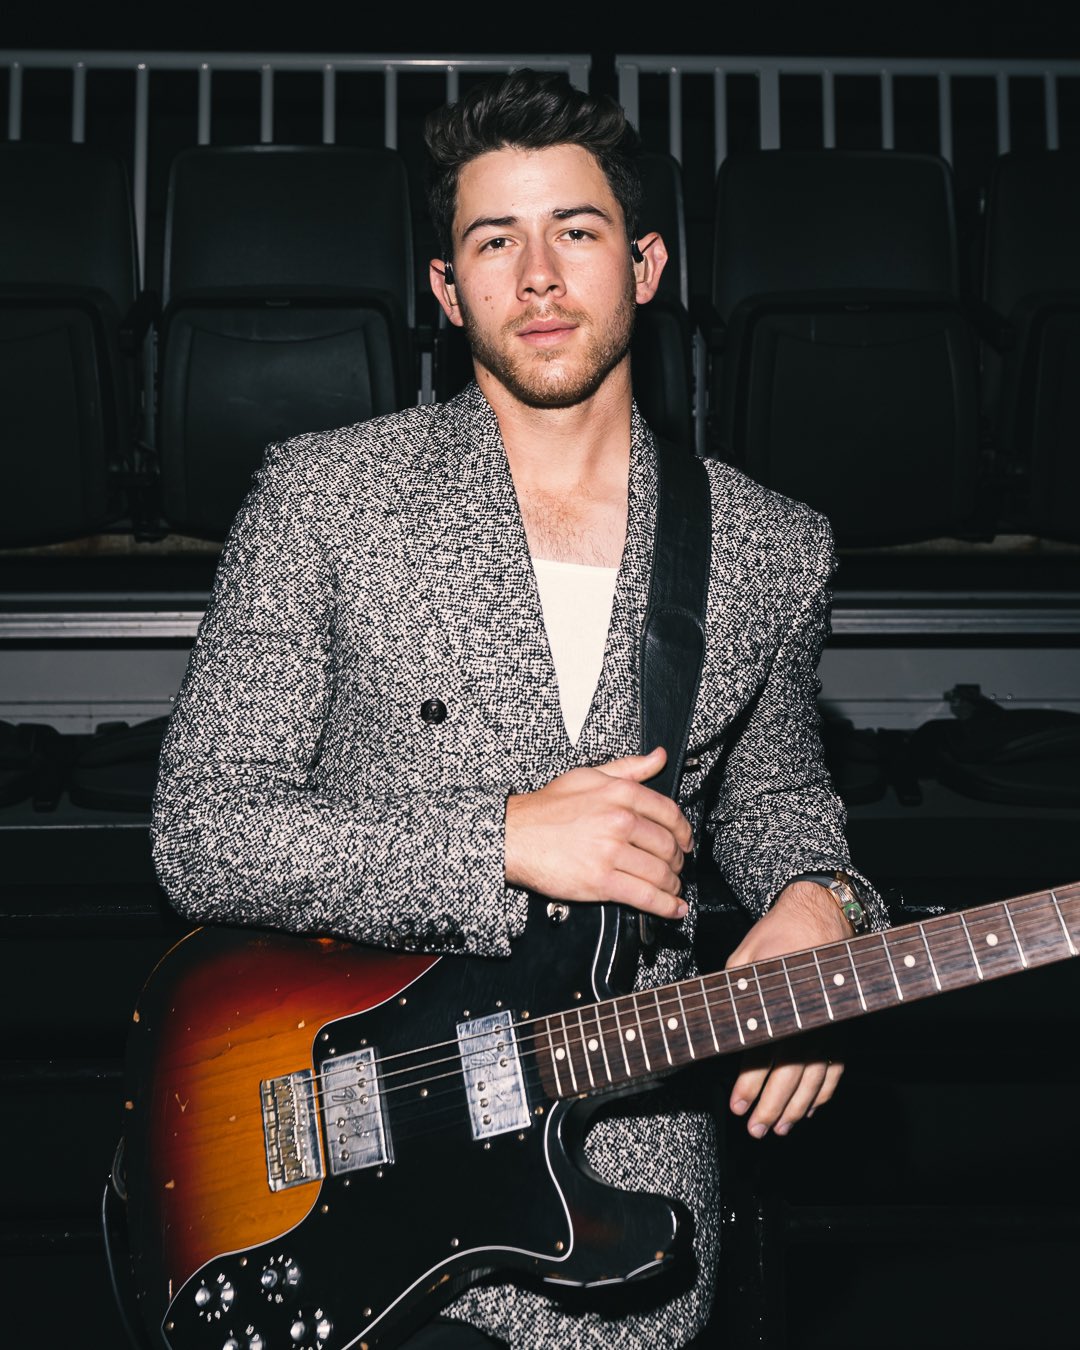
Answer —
(545, 287)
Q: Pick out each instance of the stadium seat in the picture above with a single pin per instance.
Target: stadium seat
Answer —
(1032, 286)
(288, 306)
(844, 368)
(68, 336)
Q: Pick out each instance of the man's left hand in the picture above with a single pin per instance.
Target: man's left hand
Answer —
(780, 1085)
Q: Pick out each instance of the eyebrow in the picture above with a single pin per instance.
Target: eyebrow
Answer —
(560, 213)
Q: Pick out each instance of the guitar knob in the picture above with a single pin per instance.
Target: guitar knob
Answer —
(292, 1274)
(231, 1344)
(298, 1330)
(227, 1293)
(202, 1296)
(269, 1279)
(256, 1342)
(323, 1328)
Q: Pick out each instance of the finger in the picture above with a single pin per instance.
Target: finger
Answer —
(780, 1086)
(655, 839)
(636, 862)
(660, 809)
(803, 1099)
(751, 1080)
(833, 1073)
(637, 768)
(627, 889)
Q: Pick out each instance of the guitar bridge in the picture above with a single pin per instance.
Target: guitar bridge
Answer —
(494, 1083)
(290, 1131)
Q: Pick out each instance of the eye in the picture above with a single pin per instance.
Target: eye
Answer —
(577, 235)
(496, 245)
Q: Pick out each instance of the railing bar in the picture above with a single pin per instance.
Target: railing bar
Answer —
(142, 138)
(1051, 104)
(828, 110)
(578, 72)
(719, 116)
(329, 105)
(390, 108)
(629, 93)
(888, 112)
(78, 103)
(266, 104)
(15, 74)
(453, 84)
(769, 107)
(1004, 128)
(203, 131)
(675, 114)
(945, 116)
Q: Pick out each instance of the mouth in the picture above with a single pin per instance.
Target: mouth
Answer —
(546, 332)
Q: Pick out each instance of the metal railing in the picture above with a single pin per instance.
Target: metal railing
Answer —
(770, 72)
(143, 66)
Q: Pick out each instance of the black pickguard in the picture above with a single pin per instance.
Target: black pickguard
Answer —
(384, 1248)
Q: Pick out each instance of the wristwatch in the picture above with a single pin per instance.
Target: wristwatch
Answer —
(844, 892)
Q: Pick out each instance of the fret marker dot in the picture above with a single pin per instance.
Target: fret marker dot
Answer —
(838, 980)
(672, 1023)
(743, 985)
(909, 961)
(631, 1034)
(991, 939)
(751, 1024)
(594, 1044)
(560, 1053)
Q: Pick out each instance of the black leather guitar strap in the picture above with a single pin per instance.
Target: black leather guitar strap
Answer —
(673, 638)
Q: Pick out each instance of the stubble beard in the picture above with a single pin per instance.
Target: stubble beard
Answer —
(532, 376)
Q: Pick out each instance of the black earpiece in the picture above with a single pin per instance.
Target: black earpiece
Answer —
(636, 252)
(448, 272)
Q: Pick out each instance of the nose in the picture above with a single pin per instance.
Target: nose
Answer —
(539, 276)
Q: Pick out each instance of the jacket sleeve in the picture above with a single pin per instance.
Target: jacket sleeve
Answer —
(239, 832)
(777, 814)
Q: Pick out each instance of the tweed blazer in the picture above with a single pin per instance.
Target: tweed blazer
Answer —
(377, 567)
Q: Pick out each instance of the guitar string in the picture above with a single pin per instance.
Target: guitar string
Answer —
(652, 1017)
(669, 994)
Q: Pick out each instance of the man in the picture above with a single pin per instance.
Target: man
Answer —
(414, 699)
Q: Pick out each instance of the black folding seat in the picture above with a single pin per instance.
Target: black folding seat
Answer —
(846, 371)
(68, 333)
(1032, 284)
(662, 346)
(288, 306)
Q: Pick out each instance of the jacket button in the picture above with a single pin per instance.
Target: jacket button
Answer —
(433, 710)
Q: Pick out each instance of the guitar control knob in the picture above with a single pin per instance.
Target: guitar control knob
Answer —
(323, 1328)
(202, 1296)
(292, 1274)
(256, 1342)
(298, 1330)
(226, 1293)
(269, 1279)
(231, 1344)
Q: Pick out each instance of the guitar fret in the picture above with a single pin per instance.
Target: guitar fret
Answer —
(1061, 920)
(855, 973)
(971, 945)
(641, 1033)
(708, 1014)
(791, 994)
(554, 1057)
(602, 1038)
(685, 1023)
(660, 1020)
(734, 1009)
(1016, 937)
(821, 981)
(622, 1038)
(761, 999)
(929, 956)
(892, 968)
(568, 1052)
(586, 1050)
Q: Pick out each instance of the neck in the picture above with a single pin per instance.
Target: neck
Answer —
(560, 450)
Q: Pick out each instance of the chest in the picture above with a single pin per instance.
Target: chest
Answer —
(576, 527)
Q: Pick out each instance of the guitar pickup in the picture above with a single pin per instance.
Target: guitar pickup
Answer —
(290, 1131)
(354, 1113)
(494, 1083)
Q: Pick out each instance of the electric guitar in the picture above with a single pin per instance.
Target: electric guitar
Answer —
(326, 1142)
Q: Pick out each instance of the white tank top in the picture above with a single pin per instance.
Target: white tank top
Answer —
(576, 600)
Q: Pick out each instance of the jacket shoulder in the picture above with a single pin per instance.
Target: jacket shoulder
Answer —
(759, 523)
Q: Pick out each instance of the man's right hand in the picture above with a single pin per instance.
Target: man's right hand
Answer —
(600, 834)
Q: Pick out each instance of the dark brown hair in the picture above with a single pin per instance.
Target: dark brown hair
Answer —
(530, 110)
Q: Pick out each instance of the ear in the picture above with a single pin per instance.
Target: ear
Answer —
(647, 273)
(445, 294)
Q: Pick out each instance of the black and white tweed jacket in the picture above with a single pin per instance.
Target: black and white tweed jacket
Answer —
(376, 567)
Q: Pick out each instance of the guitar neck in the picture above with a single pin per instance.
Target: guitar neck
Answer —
(636, 1036)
